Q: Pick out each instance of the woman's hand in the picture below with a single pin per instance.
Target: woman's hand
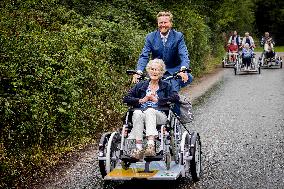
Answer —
(143, 100)
(152, 98)
(148, 98)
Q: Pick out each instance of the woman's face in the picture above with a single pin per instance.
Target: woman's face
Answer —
(155, 72)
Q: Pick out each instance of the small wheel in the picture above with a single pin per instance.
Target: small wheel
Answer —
(259, 70)
(280, 62)
(235, 70)
(195, 162)
(223, 63)
(125, 165)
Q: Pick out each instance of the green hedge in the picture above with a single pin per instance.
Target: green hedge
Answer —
(63, 75)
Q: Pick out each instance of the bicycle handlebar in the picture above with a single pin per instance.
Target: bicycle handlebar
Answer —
(143, 76)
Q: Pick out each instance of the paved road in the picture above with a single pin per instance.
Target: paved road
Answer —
(241, 124)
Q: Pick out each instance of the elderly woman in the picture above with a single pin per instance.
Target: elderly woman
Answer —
(148, 95)
(247, 54)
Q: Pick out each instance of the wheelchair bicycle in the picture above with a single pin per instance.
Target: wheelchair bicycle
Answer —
(226, 62)
(270, 60)
(178, 151)
(240, 67)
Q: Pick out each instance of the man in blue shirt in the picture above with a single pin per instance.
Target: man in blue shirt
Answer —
(169, 45)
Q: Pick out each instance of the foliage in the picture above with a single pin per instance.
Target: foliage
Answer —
(63, 65)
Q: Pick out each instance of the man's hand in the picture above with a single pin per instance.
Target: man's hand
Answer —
(135, 78)
(184, 76)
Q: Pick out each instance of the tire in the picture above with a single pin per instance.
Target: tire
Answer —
(223, 63)
(195, 163)
(281, 63)
(102, 148)
(125, 165)
(259, 70)
(112, 151)
(235, 71)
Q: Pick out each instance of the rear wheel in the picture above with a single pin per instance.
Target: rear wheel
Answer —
(235, 70)
(259, 70)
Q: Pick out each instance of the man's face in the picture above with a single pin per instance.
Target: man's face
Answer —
(164, 24)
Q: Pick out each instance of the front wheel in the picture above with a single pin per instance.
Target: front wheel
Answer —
(195, 162)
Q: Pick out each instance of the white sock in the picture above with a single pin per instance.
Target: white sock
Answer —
(139, 146)
(151, 142)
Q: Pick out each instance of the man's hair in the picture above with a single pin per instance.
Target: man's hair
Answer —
(165, 13)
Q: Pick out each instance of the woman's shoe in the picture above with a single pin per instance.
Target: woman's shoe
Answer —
(137, 154)
(150, 150)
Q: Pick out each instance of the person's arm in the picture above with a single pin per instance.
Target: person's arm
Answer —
(183, 53)
(243, 41)
(132, 97)
(173, 96)
(144, 56)
(252, 42)
(262, 42)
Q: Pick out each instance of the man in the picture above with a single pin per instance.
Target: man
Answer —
(168, 45)
(236, 39)
(249, 40)
(265, 39)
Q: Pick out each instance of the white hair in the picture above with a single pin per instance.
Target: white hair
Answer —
(161, 64)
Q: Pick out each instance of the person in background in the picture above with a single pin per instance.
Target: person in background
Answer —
(233, 51)
(265, 38)
(236, 38)
(247, 55)
(247, 39)
(148, 95)
(169, 45)
(269, 49)
(263, 42)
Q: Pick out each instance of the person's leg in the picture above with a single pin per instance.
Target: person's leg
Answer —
(152, 118)
(151, 122)
(138, 118)
(137, 133)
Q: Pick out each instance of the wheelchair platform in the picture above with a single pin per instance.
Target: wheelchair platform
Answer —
(158, 171)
